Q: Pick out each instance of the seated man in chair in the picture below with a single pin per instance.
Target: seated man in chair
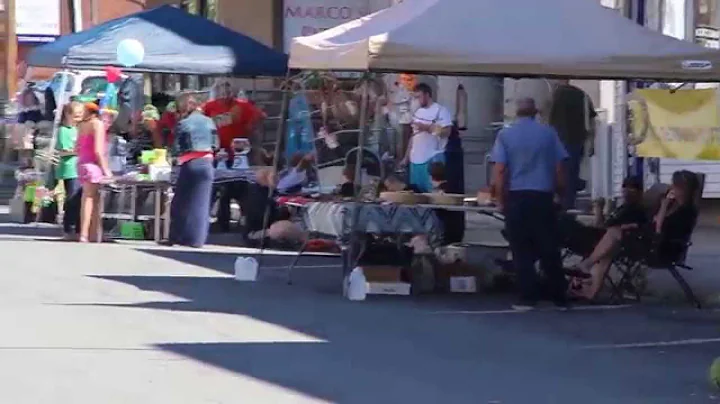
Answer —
(675, 220)
(581, 239)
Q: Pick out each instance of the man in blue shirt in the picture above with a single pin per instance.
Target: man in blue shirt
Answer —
(528, 173)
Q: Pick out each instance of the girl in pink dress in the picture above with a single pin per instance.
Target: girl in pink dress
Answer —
(93, 169)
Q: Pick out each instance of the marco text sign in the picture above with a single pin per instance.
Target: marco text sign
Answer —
(37, 20)
(308, 17)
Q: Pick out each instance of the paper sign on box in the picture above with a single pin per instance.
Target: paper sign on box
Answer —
(463, 284)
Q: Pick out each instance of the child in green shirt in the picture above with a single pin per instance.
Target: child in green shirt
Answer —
(66, 170)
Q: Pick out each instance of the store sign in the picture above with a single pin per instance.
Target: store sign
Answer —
(708, 37)
(37, 20)
(706, 31)
(308, 17)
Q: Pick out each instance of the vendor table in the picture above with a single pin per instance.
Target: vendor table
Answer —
(161, 215)
(335, 220)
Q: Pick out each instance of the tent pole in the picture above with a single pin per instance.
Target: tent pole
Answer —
(361, 136)
(58, 114)
(276, 157)
(354, 248)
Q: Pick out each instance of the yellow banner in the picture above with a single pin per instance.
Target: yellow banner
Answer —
(681, 125)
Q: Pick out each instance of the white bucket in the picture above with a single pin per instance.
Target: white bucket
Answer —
(246, 269)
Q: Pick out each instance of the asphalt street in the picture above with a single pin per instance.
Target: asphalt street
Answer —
(137, 323)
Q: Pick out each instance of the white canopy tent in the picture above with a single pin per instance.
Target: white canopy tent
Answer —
(527, 38)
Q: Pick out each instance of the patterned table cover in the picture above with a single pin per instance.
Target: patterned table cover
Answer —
(334, 219)
(223, 176)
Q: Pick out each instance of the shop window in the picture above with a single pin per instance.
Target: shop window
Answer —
(706, 24)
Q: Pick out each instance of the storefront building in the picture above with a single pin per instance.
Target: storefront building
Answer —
(41, 21)
(692, 20)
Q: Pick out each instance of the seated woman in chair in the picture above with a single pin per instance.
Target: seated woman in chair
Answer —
(674, 221)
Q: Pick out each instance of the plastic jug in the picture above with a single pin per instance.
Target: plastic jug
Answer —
(246, 269)
(160, 157)
(357, 286)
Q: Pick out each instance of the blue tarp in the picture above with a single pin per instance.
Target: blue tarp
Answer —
(174, 41)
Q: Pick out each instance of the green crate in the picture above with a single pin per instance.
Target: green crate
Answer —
(132, 231)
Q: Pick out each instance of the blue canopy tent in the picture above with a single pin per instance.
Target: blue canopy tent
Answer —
(174, 41)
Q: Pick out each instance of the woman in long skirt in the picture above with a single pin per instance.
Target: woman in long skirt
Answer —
(195, 140)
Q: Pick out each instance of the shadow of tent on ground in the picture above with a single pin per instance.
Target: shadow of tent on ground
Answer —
(318, 272)
(403, 350)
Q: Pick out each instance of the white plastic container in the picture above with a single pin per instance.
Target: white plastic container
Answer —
(159, 172)
(357, 286)
(246, 269)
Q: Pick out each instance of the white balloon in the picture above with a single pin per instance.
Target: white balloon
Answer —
(130, 52)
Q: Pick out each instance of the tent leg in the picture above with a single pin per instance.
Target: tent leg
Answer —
(58, 113)
(276, 157)
(354, 237)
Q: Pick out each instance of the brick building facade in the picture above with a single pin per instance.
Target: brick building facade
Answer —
(93, 12)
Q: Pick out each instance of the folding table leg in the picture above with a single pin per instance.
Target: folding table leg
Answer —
(689, 294)
(157, 215)
(295, 261)
(167, 201)
(101, 210)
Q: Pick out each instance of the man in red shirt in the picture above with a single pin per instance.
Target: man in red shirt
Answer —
(234, 118)
(165, 133)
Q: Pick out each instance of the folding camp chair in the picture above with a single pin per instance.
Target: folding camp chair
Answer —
(636, 257)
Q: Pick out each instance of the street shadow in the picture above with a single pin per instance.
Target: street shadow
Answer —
(403, 350)
(28, 230)
(321, 273)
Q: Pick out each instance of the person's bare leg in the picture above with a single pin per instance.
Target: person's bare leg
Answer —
(598, 272)
(604, 249)
(87, 205)
(95, 219)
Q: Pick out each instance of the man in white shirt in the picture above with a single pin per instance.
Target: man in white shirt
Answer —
(432, 124)
(430, 116)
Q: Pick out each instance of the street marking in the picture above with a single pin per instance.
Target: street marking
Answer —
(541, 309)
(506, 311)
(682, 342)
(303, 267)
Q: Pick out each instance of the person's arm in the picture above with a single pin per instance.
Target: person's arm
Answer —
(561, 157)
(175, 146)
(406, 160)
(215, 137)
(155, 130)
(498, 156)
(445, 122)
(100, 152)
(598, 207)
(662, 212)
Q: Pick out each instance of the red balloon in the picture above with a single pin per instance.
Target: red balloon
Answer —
(113, 74)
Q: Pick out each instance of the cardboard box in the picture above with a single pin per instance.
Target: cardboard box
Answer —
(382, 273)
(463, 284)
(389, 288)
